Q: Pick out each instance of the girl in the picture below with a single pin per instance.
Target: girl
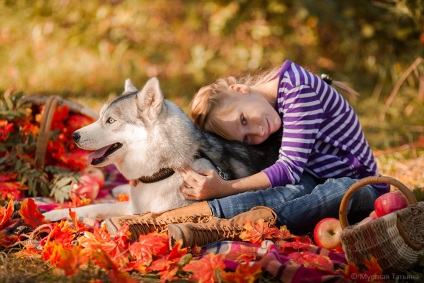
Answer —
(323, 149)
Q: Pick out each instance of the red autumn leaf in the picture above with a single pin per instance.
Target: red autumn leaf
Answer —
(30, 213)
(101, 240)
(7, 241)
(52, 251)
(207, 269)
(244, 273)
(78, 226)
(245, 254)
(164, 263)
(297, 243)
(169, 275)
(103, 260)
(5, 213)
(256, 232)
(71, 260)
(152, 244)
(11, 190)
(308, 259)
(122, 236)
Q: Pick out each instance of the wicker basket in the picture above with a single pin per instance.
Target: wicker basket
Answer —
(394, 240)
(51, 102)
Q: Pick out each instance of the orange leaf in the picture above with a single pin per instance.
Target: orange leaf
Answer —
(79, 226)
(30, 213)
(5, 213)
(258, 231)
(245, 254)
(245, 273)
(71, 260)
(308, 259)
(148, 246)
(207, 269)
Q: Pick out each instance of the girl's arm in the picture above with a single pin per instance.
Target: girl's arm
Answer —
(207, 184)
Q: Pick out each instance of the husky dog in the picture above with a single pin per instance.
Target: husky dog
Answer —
(146, 136)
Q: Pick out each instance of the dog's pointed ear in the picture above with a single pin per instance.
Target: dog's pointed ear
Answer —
(150, 99)
(129, 87)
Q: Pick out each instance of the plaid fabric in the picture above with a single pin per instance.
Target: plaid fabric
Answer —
(281, 264)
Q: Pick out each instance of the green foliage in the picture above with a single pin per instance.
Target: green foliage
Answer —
(88, 48)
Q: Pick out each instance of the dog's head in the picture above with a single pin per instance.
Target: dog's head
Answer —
(123, 133)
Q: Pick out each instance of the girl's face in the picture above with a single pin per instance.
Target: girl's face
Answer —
(246, 117)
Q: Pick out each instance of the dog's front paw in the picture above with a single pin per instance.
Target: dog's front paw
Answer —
(56, 215)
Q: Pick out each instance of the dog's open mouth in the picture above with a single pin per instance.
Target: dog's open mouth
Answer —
(99, 156)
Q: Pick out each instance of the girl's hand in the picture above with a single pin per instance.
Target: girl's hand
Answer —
(202, 185)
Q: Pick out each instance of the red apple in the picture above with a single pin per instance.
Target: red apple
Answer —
(89, 187)
(327, 233)
(97, 173)
(389, 202)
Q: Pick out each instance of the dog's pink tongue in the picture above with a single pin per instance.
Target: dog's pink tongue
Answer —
(97, 154)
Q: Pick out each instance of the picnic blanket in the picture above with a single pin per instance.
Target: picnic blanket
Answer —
(308, 264)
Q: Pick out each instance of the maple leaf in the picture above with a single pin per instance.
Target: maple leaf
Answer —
(71, 260)
(52, 251)
(5, 213)
(30, 213)
(245, 254)
(298, 243)
(169, 275)
(309, 259)
(207, 269)
(62, 233)
(115, 274)
(79, 226)
(256, 232)
(244, 273)
(148, 246)
(167, 266)
(122, 236)
(100, 240)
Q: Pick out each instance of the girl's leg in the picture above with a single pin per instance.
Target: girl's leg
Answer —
(231, 206)
(301, 207)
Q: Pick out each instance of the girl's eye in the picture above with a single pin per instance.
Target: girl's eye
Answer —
(110, 120)
(243, 120)
(245, 140)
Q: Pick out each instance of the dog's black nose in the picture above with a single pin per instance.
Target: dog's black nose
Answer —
(76, 136)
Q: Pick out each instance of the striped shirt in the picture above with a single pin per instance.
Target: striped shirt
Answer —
(321, 132)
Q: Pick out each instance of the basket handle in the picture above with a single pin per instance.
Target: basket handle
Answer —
(369, 181)
(44, 132)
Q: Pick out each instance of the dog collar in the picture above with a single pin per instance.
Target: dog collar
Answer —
(159, 176)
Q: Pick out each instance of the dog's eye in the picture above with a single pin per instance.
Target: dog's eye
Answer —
(110, 120)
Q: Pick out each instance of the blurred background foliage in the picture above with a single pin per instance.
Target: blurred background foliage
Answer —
(84, 50)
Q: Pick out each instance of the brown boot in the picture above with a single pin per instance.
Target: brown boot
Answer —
(217, 229)
(143, 224)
